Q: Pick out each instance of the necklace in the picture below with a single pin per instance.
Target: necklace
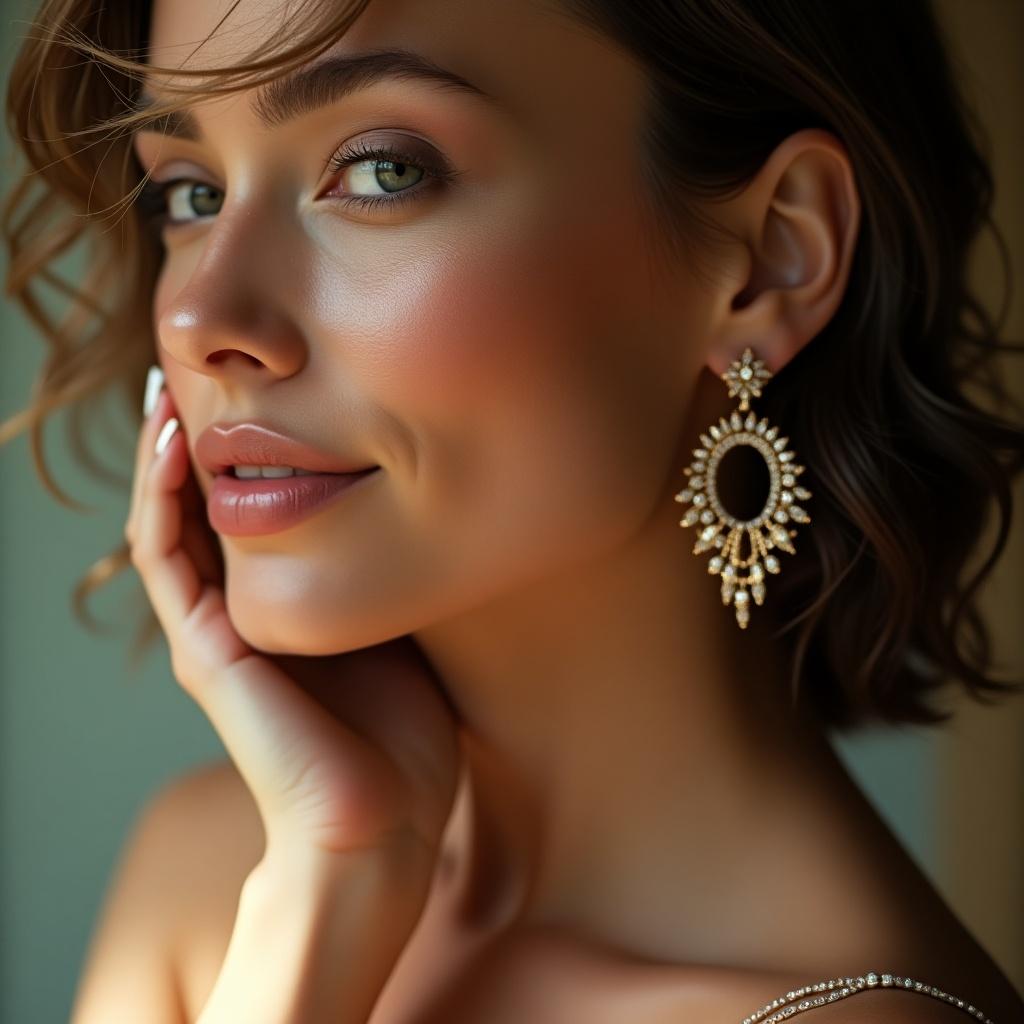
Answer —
(839, 988)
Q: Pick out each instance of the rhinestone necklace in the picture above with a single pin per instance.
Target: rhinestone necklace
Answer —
(839, 988)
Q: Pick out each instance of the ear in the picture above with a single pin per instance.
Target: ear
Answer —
(796, 223)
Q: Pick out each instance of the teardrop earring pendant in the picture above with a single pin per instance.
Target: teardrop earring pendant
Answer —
(743, 576)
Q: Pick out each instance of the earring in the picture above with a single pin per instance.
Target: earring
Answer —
(768, 529)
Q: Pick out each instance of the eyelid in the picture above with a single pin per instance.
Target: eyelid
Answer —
(404, 148)
(396, 139)
(150, 199)
(365, 148)
(437, 173)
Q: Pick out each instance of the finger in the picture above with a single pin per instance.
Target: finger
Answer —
(154, 385)
(144, 455)
(199, 538)
(171, 578)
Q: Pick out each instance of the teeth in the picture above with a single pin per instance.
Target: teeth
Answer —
(269, 472)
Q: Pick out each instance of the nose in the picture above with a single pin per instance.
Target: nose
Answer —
(230, 318)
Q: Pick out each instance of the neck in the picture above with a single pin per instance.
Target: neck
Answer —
(625, 745)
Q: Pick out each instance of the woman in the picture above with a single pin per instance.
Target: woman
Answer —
(496, 277)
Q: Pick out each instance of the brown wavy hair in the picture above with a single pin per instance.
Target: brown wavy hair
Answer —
(879, 612)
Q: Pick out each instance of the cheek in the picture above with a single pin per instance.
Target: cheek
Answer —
(190, 391)
(176, 376)
(521, 361)
(173, 276)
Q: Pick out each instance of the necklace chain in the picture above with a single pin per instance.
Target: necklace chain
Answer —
(840, 988)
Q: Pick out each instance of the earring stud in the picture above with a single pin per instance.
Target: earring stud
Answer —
(743, 577)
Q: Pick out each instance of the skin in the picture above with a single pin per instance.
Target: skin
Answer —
(531, 373)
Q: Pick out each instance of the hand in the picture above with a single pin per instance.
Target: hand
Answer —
(342, 752)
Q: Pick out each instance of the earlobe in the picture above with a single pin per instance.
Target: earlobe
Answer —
(799, 218)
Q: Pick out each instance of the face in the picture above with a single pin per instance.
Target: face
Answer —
(493, 331)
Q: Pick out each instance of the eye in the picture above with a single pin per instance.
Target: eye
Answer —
(389, 175)
(178, 201)
(380, 176)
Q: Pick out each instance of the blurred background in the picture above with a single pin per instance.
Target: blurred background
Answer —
(84, 743)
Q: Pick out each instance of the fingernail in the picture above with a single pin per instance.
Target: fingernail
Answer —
(154, 382)
(166, 433)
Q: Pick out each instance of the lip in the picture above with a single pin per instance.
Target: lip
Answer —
(250, 508)
(223, 445)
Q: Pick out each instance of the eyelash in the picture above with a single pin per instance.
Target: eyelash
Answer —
(381, 153)
(153, 206)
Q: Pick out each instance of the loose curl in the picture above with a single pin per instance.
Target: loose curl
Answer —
(907, 467)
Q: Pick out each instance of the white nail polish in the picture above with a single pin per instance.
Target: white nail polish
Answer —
(154, 382)
(166, 433)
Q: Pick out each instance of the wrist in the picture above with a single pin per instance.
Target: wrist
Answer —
(402, 861)
(316, 935)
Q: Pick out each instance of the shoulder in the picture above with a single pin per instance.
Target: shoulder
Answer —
(194, 832)
(217, 792)
(180, 867)
(211, 835)
(207, 822)
(211, 795)
(200, 835)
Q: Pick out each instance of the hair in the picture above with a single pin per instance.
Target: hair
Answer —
(879, 612)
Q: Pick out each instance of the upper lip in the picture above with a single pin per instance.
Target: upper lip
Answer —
(223, 445)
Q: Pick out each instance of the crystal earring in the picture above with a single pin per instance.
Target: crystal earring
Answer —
(768, 529)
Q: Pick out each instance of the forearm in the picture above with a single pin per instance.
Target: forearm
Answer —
(316, 942)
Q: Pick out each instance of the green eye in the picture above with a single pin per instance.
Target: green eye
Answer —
(197, 197)
(386, 174)
(178, 201)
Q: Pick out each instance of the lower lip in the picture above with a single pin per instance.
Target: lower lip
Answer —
(250, 508)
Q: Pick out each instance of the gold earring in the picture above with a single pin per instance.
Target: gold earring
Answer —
(768, 529)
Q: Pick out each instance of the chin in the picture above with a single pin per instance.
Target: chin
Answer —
(277, 634)
(300, 627)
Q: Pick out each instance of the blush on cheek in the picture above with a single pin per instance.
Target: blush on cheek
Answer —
(514, 377)
(475, 333)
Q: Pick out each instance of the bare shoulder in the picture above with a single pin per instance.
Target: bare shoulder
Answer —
(209, 835)
(215, 831)
(214, 823)
(174, 887)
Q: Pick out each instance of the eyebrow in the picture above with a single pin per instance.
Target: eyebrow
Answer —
(310, 88)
